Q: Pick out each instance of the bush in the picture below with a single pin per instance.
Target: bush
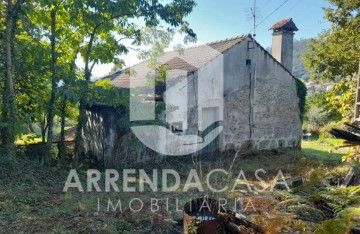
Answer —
(335, 226)
(120, 226)
(324, 131)
(315, 120)
(311, 128)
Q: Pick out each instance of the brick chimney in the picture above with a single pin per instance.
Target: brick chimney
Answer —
(282, 42)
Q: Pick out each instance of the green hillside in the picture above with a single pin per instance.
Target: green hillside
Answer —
(300, 48)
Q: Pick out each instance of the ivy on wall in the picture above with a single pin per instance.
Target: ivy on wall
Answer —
(301, 91)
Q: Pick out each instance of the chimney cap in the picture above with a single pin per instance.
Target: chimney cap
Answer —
(285, 25)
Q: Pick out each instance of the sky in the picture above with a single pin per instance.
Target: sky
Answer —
(214, 20)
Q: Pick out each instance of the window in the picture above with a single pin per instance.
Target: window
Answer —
(177, 127)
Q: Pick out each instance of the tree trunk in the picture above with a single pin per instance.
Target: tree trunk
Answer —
(62, 147)
(79, 143)
(43, 135)
(43, 127)
(8, 129)
(31, 128)
(51, 112)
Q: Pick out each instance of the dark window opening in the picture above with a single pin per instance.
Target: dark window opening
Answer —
(177, 127)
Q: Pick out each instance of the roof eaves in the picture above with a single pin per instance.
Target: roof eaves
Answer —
(242, 37)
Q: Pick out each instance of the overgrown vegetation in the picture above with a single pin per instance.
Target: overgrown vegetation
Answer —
(43, 92)
(301, 93)
(41, 41)
(333, 56)
(36, 203)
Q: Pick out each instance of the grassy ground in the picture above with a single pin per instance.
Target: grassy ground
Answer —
(32, 201)
(324, 149)
(33, 138)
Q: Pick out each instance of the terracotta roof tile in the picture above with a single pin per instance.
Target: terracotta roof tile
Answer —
(189, 60)
(286, 24)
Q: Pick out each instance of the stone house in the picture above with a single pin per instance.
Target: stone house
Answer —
(234, 84)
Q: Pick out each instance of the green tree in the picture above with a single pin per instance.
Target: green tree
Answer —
(104, 24)
(299, 70)
(336, 52)
(341, 98)
(335, 55)
(53, 70)
(30, 55)
(11, 14)
(53, 19)
(65, 105)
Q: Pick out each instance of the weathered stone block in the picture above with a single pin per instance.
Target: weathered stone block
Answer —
(260, 132)
(292, 142)
(264, 144)
(281, 143)
(228, 137)
(245, 145)
(273, 144)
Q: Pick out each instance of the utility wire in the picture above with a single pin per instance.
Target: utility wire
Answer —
(292, 7)
(270, 14)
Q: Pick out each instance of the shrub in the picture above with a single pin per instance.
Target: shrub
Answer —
(120, 226)
(316, 119)
(324, 131)
(335, 226)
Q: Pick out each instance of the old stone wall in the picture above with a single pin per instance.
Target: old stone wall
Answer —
(237, 75)
(236, 132)
(261, 103)
(109, 139)
(277, 120)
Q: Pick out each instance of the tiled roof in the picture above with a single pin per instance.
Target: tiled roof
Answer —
(180, 63)
(286, 24)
